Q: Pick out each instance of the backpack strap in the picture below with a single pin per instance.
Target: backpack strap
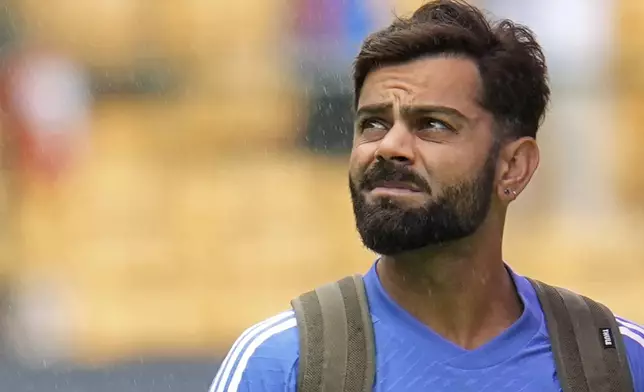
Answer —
(336, 338)
(586, 342)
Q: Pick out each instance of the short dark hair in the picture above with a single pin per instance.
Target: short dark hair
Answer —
(509, 59)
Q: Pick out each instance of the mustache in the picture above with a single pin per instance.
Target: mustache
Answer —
(386, 170)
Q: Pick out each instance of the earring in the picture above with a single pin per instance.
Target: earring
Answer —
(508, 191)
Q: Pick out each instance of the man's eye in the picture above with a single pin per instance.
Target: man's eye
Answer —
(372, 125)
(431, 124)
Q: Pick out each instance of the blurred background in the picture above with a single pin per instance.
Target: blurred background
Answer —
(175, 171)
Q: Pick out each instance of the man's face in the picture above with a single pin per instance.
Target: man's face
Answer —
(422, 168)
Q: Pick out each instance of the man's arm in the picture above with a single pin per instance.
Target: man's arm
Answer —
(634, 341)
(263, 359)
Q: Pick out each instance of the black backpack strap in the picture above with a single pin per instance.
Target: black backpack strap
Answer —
(336, 338)
(586, 342)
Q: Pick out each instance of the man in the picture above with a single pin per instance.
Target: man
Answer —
(447, 111)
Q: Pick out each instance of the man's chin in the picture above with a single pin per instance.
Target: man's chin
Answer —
(388, 232)
(391, 246)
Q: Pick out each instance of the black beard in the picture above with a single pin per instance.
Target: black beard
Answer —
(389, 228)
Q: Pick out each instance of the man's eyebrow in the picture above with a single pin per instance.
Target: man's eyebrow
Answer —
(380, 108)
(376, 108)
(423, 109)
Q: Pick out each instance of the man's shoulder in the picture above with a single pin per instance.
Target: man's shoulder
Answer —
(633, 334)
(262, 359)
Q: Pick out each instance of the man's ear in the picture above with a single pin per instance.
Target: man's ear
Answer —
(518, 160)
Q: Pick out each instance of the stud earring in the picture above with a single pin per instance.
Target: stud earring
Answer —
(508, 191)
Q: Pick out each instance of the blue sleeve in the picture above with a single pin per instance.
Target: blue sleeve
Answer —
(634, 340)
(263, 359)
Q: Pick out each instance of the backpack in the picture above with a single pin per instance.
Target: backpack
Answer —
(337, 350)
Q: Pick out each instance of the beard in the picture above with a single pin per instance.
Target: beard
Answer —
(388, 227)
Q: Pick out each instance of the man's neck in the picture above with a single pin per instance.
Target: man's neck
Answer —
(468, 297)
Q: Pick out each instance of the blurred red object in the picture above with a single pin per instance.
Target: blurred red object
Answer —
(45, 100)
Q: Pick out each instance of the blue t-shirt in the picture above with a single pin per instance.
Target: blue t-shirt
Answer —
(411, 357)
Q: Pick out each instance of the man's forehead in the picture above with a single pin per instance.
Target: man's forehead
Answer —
(440, 81)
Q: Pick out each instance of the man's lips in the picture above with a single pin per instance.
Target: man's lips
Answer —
(396, 186)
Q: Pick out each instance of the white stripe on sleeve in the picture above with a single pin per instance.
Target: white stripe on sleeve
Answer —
(239, 371)
(226, 367)
(631, 326)
(627, 332)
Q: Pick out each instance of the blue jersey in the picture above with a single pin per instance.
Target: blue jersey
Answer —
(411, 357)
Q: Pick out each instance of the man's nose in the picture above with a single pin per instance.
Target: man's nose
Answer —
(397, 145)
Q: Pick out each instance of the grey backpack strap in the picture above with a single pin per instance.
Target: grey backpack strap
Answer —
(586, 342)
(336, 338)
